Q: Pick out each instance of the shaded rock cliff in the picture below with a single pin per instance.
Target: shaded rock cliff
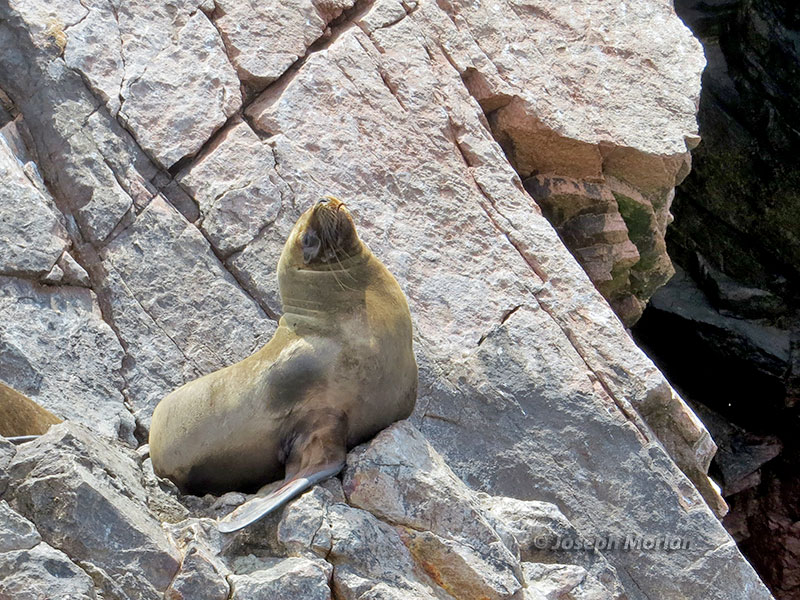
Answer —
(727, 329)
(162, 153)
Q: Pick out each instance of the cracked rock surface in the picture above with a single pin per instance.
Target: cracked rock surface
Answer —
(435, 538)
(162, 159)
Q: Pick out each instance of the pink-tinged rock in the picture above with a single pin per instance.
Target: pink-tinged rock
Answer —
(183, 94)
(403, 480)
(265, 39)
(237, 188)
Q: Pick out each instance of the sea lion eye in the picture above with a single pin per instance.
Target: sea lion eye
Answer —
(311, 245)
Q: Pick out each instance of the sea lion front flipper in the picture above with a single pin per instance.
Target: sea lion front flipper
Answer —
(260, 506)
(315, 449)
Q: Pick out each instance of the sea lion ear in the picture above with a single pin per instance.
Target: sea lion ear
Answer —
(311, 245)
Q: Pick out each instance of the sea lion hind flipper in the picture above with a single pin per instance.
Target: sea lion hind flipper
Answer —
(315, 449)
(260, 506)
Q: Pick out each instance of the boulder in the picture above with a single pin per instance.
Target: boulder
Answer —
(87, 500)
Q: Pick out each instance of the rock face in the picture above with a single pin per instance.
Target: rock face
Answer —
(86, 499)
(571, 115)
(176, 192)
(735, 306)
(428, 536)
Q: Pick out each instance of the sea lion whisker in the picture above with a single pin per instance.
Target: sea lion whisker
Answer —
(342, 285)
(341, 267)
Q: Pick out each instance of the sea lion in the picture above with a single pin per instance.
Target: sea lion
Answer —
(21, 419)
(339, 368)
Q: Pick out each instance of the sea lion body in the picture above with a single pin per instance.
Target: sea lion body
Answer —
(21, 416)
(339, 368)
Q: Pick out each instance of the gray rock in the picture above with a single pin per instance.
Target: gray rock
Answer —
(43, 572)
(765, 346)
(16, 532)
(162, 496)
(198, 579)
(195, 298)
(734, 298)
(304, 525)
(369, 556)
(463, 571)
(287, 579)
(95, 48)
(530, 385)
(98, 201)
(200, 534)
(538, 528)
(31, 239)
(154, 364)
(68, 474)
(741, 453)
(56, 349)
(372, 561)
(132, 168)
(564, 582)
(73, 273)
(54, 276)
(265, 40)
(7, 452)
(402, 480)
(67, 271)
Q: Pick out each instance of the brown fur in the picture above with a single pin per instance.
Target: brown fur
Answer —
(339, 368)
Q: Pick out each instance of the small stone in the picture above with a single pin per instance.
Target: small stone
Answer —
(43, 572)
(16, 532)
(287, 579)
(198, 579)
(73, 273)
(56, 275)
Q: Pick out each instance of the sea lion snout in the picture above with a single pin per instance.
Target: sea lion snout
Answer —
(329, 232)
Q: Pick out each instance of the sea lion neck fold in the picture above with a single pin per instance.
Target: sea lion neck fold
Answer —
(340, 288)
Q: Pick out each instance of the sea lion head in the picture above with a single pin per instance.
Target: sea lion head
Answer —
(323, 237)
